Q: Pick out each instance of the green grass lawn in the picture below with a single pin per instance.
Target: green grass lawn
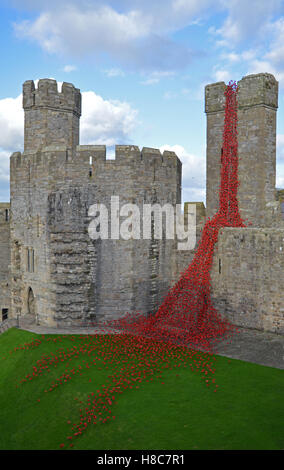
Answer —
(247, 412)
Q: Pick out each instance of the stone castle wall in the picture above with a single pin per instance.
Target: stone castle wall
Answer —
(247, 272)
(257, 106)
(78, 280)
(247, 277)
(4, 258)
(63, 277)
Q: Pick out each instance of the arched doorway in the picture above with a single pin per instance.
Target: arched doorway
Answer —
(31, 302)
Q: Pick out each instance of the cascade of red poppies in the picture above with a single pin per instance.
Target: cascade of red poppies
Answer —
(185, 318)
(187, 315)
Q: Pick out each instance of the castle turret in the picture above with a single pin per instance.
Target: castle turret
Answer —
(257, 107)
(51, 118)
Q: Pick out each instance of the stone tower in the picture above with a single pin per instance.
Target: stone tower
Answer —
(51, 118)
(257, 107)
(248, 265)
(59, 275)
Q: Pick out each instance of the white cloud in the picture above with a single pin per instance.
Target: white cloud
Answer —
(114, 73)
(275, 56)
(69, 68)
(84, 29)
(234, 57)
(248, 55)
(246, 20)
(156, 76)
(4, 166)
(11, 123)
(137, 37)
(280, 147)
(222, 75)
(193, 172)
(192, 8)
(186, 93)
(106, 122)
(231, 57)
(280, 177)
(150, 81)
(259, 66)
(137, 33)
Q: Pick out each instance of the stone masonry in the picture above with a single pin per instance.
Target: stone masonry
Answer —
(4, 259)
(52, 271)
(248, 265)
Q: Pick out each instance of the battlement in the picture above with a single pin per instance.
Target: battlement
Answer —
(56, 166)
(96, 153)
(46, 95)
(254, 90)
(258, 89)
(127, 153)
(214, 97)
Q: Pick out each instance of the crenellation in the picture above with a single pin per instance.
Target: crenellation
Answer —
(47, 95)
(51, 117)
(151, 156)
(170, 159)
(97, 152)
(28, 94)
(214, 97)
(258, 90)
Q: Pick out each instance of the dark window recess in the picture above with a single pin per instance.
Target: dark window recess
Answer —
(5, 314)
(7, 215)
(220, 266)
(31, 260)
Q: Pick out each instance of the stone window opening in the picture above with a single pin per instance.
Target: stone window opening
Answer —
(5, 312)
(31, 302)
(220, 266)
(91, 167)
(30, 260)
(7, 215)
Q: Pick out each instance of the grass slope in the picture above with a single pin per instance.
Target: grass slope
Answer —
(247, 412)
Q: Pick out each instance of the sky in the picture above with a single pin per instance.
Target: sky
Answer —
(141, 67)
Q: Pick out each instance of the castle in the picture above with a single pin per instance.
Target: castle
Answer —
(54, 274)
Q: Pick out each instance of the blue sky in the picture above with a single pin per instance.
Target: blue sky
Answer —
(141, 67)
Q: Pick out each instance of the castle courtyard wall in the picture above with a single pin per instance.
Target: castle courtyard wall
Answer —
(78, 280)
(52, 269)
(4, 258)
(247, 277)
